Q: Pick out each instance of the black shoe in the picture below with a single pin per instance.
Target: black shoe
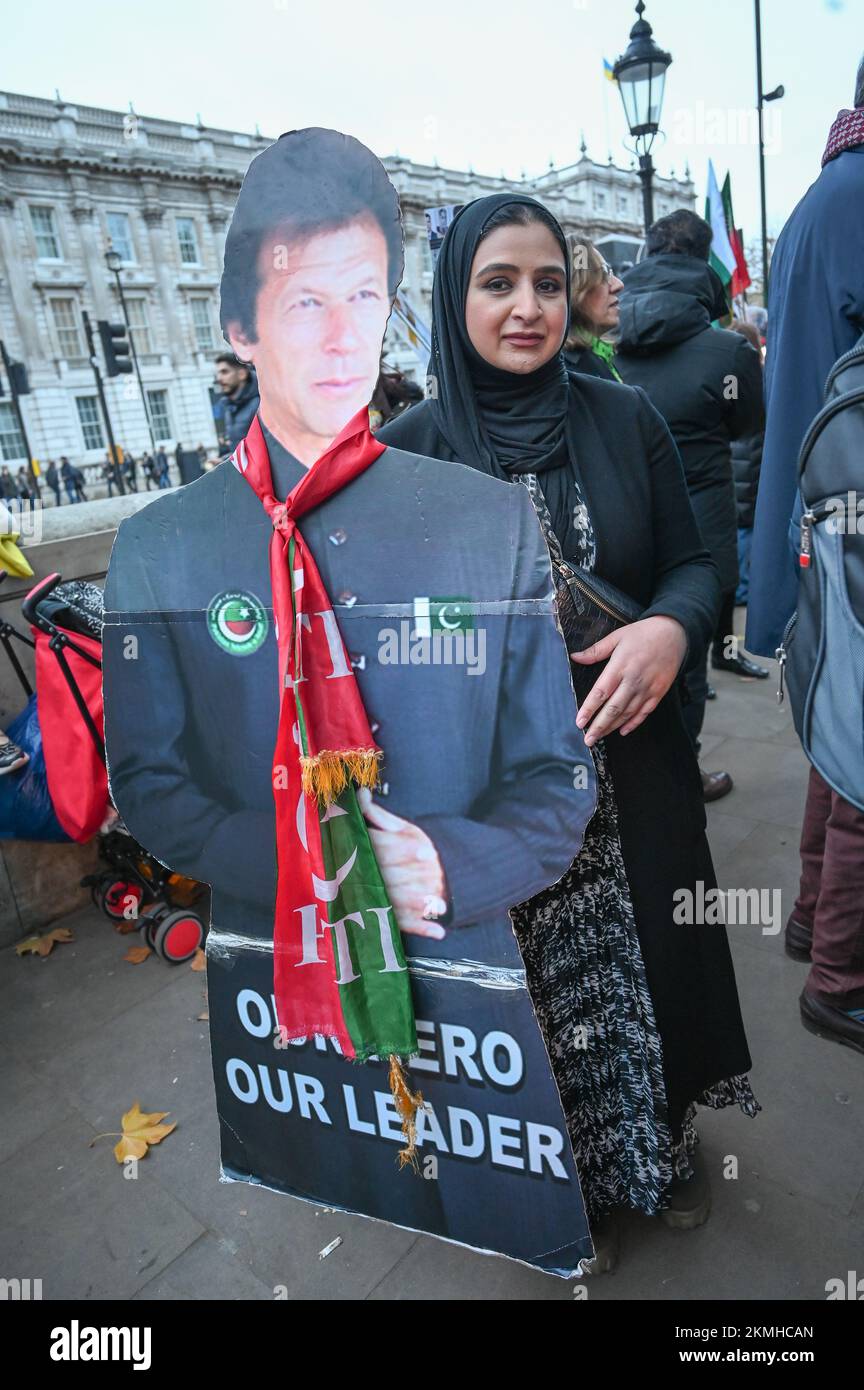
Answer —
(798, 940)
(710, 693)
(739, 666)
(827, 1021)
(689, 1198)
(715, 785)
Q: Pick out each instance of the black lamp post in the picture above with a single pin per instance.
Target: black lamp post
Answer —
(641, 77)
(761, 98)
(114, 261)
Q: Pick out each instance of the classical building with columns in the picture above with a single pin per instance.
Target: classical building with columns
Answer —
(76, 179)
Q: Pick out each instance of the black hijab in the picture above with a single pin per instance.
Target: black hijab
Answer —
(497, 421)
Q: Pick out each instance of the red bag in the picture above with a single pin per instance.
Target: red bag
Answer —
(77, 778)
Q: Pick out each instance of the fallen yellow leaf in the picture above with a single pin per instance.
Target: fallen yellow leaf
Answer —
(199, 960)
(136, 954)
(43, 945)
(139, 1132)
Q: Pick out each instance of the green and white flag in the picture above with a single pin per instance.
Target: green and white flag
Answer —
(722, 257)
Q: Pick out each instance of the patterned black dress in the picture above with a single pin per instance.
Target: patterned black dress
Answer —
(588, 983)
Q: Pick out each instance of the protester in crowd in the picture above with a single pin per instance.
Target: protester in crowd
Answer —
(163, 469)
(130, 468)
(109, 473)
(202, 454)
(52, 478)
(78, 479)
(746, 463)
(148, 468)
(70, 481)
(239, 387)
(817, 281)
(707, 385)
(593, 312)
(8, 485)
(817, 314)
(601, 948)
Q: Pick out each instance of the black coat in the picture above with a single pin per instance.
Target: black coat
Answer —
(706, 383)
(648, 545)
(746, 465)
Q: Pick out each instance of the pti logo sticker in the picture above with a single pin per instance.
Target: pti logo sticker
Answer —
(237, 622)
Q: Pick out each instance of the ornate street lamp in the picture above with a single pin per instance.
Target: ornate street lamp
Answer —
(641, 76)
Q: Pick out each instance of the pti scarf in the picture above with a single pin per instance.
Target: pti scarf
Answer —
(847, 130)
(339, 967)
(503, 423)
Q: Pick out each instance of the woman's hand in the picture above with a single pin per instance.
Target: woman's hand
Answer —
(410, 867)
(644, 659)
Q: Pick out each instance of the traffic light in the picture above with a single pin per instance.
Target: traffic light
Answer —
(18, 379)
(115, 347)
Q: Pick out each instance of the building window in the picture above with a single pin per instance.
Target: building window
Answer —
(623, 203)
(45, 234)
(599, 198)
(11, 444)
(139, 326)
(91, 425)
(202, 321)
(157, 404)
(68, 330)
(187, 241)
(121, 236)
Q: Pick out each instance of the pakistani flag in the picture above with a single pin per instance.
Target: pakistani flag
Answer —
(722, 257)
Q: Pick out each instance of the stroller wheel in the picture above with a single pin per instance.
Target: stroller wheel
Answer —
(116, 896)
(177, 935)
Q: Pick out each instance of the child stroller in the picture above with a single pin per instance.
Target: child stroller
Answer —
(62, 793)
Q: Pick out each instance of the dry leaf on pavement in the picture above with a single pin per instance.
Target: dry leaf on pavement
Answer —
(136, 954)
(43, 945)
(139, 1132)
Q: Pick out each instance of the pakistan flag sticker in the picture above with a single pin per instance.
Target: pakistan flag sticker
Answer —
(237, 622)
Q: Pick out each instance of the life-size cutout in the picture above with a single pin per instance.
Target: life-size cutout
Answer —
(336, 691)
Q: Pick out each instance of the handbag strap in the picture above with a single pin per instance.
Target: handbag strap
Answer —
(544, 516)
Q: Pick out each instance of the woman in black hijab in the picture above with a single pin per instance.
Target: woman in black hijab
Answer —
(640, 1013)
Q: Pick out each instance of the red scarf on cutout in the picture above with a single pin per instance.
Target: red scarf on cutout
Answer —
(339, 747)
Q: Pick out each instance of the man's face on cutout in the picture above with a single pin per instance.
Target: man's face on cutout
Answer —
(321, 312)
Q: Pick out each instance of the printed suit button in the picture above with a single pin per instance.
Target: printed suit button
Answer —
(338, 537)
(346, 598)
(384, 789)
(358, 662)
(374, 726)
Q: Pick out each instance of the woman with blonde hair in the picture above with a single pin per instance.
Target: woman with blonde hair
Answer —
(593, 311)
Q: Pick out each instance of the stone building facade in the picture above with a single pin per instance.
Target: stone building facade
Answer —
(76, 179)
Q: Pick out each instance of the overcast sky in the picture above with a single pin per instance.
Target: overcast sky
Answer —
(494, 84)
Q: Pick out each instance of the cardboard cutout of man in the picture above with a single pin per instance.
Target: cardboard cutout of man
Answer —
(443, 614)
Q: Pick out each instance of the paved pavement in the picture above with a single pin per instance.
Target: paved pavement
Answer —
(83, 1034)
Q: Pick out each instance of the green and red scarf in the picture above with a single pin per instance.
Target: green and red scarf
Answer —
(338, 964)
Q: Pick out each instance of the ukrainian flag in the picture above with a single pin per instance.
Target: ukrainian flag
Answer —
(608, 71)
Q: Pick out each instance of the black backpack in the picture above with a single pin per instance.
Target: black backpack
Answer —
(822, 652)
